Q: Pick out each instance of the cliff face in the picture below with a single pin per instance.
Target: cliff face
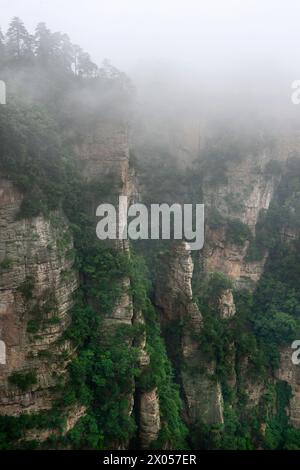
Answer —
(221, 255)
(247, 191)
(149, 418)
(104, 153)
(103, 149)
(290, 373)
(182, 324)
(37, 283)
(38, 280)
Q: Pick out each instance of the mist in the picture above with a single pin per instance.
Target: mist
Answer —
(217, 39)
(190, 61)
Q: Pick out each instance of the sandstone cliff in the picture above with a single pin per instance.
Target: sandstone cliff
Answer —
(182, 324)
(37, 283)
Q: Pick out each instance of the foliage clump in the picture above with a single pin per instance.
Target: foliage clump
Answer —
(23, 380)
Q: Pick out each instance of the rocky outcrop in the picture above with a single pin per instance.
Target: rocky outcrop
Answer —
(202, 395)
(71, 417)
(226, 305)
(219, 255)
(141, 342)
(38, 279)
(290, 373)
(102, 149)
(246, 191)
(146, 401)
(36, 286)
(104, 156)
(149, 418)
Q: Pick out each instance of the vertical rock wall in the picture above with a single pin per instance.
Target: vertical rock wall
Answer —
(36, 285)
(182, 323)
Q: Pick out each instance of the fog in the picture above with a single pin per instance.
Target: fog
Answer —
(186, 57)
(192, 33)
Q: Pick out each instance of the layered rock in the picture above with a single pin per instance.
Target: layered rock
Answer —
(202, 395)
(226, 305)
(36, 286)
(146, 401)
(149, 418)
(71, 415)
(220, 255)
(102, 148)
(246, 192)
(290, 373)
(103, 154)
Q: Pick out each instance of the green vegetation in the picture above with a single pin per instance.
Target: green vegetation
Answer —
(37, 158)
(283, 215)
(265, 320)
(12, 428)
(227, 148)
(233, 201)
(276, 304)
(6, 264)
(105, 371)
(238, 232)
(215, 284)
(277, 425)
(33, 326)
(102, 375)
(23, 380)
(159, 373)
(26, 288)
(34, 157)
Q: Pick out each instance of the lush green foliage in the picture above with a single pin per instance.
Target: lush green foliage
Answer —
(238, 232)
(12, 428)
(32, 154)
(276, 307)
(266, 319)
(23, 380)
(159, 372)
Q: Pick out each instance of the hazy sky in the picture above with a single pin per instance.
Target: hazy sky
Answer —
(196, 32)
(237, 56)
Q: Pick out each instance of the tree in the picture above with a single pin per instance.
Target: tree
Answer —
(44, 44)
(2, 46)
(76, 58)
(83, 65)
(111, 73)
(19, 42)
(63, 51)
